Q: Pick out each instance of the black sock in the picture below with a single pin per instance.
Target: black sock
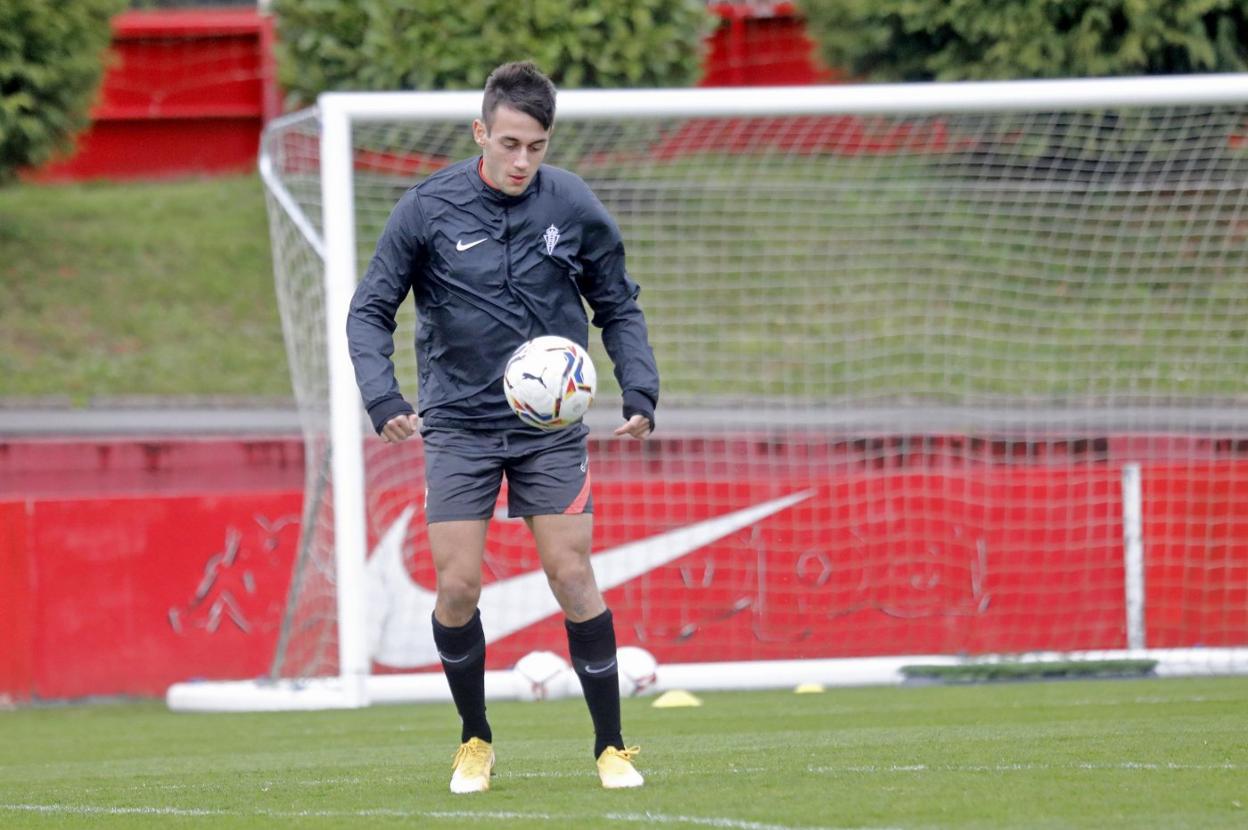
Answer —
(591, 644)
(462, 651)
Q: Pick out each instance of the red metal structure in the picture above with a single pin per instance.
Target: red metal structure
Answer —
(762, 44)
(187, 92)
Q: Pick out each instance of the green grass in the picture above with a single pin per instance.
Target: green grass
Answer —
(138, 289)
(888, 284)
(1094, 754)
(927, 291)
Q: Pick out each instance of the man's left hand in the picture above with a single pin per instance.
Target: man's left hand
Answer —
(637, 426)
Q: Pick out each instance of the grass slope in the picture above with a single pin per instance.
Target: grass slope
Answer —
(152, 289)
(1108, 754)
(854, 280)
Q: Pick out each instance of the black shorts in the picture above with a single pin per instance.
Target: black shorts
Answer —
(547, 472)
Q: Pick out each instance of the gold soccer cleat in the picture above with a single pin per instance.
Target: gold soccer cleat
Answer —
(615, 768)
(472, 765)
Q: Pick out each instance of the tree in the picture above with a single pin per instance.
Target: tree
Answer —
(51, 62)
(913, 40)
(450, 44)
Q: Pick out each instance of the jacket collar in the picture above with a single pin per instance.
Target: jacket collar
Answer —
(497, 196)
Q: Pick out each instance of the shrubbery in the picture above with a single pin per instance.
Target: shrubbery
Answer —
(911, 40)
(50, 67)
(451, 44)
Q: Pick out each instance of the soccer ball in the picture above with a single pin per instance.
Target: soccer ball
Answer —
(550, 382)
(638, 671)
(542, 675)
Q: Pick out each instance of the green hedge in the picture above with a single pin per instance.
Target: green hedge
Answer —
(911, 40)
(50, 66)
(452, 44)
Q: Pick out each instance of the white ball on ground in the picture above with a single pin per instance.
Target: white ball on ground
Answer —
(542, 675)
(638, 671)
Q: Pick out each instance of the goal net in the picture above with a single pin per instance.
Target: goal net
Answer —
(948, 370)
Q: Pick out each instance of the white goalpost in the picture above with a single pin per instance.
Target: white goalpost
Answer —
(952, 372)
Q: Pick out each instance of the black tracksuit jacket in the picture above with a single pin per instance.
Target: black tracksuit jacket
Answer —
(488, 272)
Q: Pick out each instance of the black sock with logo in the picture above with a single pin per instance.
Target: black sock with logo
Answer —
(462, 650)
(591, 645)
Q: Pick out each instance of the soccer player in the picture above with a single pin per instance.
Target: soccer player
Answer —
(498, 249)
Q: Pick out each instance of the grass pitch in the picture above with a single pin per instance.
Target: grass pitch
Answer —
(1096, 754)
(884, 284)
(115, 289)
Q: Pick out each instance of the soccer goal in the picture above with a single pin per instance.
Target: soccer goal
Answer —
(951, 373)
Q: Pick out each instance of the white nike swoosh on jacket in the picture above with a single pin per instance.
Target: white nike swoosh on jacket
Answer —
(399, 610)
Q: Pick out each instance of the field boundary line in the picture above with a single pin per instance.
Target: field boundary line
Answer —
(1120, 765)
(645, 818)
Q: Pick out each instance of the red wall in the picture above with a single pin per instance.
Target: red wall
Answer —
(130, 593)
(1194, 533)
(168, 559)
(126, 563)
(16, 606)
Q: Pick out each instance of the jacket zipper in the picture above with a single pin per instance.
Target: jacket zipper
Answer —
(507, 243)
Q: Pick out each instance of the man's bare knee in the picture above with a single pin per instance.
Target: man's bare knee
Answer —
(457, 600)
(570, 574)
(457, 549)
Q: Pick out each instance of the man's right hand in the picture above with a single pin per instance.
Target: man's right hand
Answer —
(400, 428)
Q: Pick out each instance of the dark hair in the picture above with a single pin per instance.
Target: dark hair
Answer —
(521, 86)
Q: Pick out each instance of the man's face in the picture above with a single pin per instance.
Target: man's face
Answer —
(513, 147)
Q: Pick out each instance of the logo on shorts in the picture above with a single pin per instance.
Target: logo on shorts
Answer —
(585, 464)
(552, 238)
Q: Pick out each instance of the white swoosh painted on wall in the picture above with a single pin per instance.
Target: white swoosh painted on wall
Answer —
(399, 609)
